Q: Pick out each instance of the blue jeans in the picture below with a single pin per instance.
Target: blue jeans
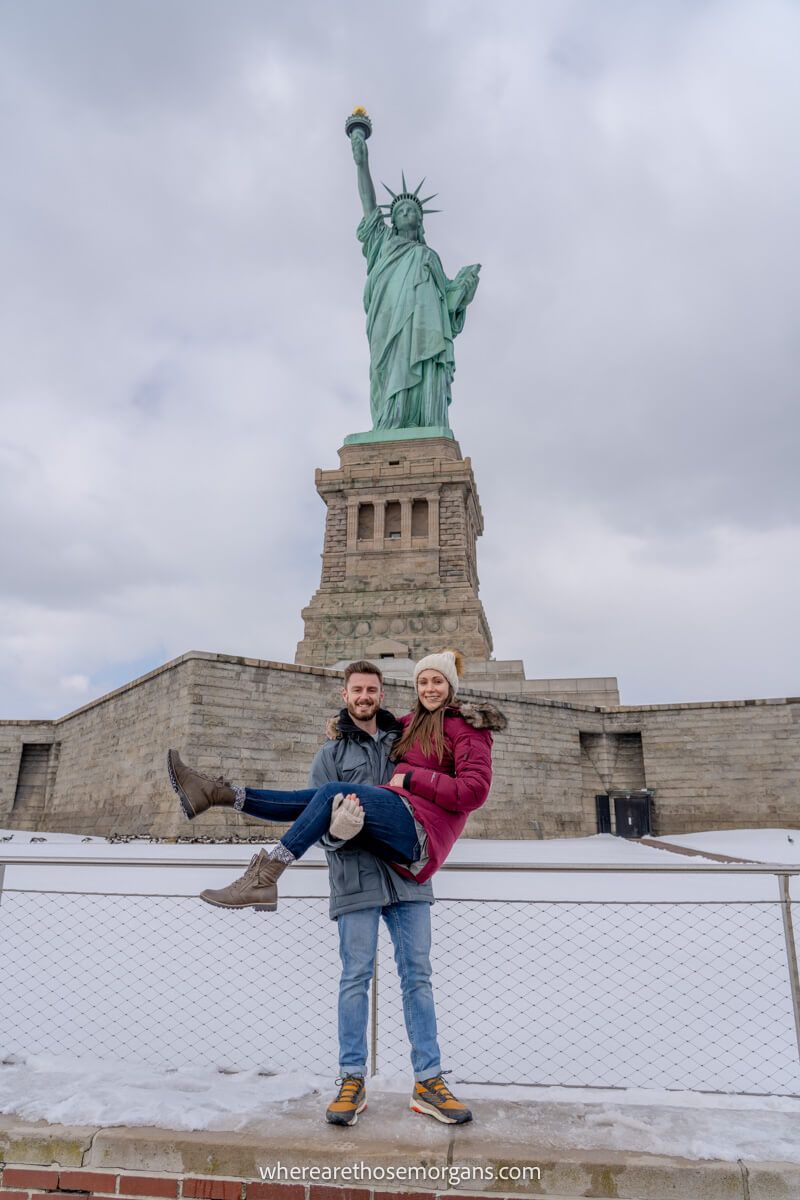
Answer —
(409, 924)
(389, 830)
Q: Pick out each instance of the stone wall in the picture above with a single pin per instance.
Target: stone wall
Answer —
(711, 765)
(508, 675)
(724, 765)
(261, 723)
(13, 736)
(110, 768)
(334, 561)
(415, 582)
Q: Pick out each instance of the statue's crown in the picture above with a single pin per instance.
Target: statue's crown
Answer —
(405, 194)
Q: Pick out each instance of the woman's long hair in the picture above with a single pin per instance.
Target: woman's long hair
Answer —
(425, 729)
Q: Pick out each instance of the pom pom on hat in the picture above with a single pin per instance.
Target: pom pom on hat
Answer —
(449, 663)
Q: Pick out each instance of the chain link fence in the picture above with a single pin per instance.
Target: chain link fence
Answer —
(652, 995)
(666, 993)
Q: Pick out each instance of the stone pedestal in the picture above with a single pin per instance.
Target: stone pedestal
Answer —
(399, 571)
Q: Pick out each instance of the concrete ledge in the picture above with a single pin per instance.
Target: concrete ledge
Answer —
(40, 1144)
(294, 1134)
(39, 1162)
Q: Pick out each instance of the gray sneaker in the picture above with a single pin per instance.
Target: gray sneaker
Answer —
(434, 1098)
(349, 1102)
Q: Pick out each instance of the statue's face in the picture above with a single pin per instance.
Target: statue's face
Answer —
(405, 217)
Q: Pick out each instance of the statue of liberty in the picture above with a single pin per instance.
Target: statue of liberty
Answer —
(413, 310)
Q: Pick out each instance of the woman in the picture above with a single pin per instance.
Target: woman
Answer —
(443, 773)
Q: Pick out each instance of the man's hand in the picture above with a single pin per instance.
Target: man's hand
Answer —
(359, 149)
(347, 816)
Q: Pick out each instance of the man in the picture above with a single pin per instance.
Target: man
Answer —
(364, 889)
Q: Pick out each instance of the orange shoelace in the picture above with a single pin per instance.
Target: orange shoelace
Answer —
(438, 1085)
(353, 1084)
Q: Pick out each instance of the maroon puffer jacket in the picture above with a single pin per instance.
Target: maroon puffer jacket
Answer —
(442, 793)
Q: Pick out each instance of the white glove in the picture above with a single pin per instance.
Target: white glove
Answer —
(347, 816)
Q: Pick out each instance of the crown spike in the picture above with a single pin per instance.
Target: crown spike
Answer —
(389, 190)
(403, 177)
(419, 185)
(431, 210)
(431, 197)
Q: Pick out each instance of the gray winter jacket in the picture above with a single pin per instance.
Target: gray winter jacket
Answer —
(359, 879)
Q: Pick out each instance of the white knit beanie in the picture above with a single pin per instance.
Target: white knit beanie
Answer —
(444, 662)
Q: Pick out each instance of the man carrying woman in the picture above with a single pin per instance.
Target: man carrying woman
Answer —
(440, 772)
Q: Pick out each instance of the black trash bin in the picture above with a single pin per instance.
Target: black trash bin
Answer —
(633, 813)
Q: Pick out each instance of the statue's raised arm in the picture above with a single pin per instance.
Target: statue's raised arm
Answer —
(366, 188)
(358, 128)
(413, 310)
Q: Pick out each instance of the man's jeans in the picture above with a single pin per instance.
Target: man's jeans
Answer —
(409, 924)
(389, 830)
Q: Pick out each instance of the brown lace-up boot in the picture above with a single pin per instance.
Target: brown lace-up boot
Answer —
(197, 792)
(255, 889)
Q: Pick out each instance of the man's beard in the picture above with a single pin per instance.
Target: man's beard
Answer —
(364, 712)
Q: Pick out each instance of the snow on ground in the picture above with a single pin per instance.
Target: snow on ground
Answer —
(600, 848)
(761, 845)
(182, 869)
(25, 837)
(68, 1091)
(63, 1091)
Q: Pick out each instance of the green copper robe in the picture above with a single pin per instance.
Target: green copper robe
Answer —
(413, 313)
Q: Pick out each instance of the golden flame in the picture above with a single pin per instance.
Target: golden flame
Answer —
(360, 112)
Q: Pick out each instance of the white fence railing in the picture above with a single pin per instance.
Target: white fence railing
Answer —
(671, 977)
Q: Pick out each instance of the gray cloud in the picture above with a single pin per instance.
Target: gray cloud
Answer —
(185, 343)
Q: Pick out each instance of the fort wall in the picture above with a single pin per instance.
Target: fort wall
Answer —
(100, 770)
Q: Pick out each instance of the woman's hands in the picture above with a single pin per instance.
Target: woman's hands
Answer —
(347, 816)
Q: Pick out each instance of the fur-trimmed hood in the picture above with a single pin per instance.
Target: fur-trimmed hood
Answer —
(481, 715)
(343, 725)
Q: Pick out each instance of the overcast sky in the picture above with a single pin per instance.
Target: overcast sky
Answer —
(183, 340)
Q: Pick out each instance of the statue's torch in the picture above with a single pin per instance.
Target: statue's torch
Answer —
(359, 123)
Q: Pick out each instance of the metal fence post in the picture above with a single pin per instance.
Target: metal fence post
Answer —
(791, 953)
(373, 1052)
